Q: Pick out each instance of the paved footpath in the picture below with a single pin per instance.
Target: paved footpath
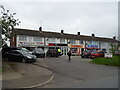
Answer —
(26, 75)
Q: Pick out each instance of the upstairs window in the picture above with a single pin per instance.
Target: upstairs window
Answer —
(72, 42)
(22, 38)
(51, 40)
(62, 40)
(38, 39)
(80, 41)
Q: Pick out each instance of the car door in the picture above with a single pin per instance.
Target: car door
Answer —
(16, 56)
(11, 55)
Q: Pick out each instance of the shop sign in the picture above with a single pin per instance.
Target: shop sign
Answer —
(76, 46)
(30, 44)
(56, 44)
(92, 46)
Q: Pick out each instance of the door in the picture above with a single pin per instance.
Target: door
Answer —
(64, 50)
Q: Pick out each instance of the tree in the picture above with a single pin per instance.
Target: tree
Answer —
(114, 47)
(7, 24)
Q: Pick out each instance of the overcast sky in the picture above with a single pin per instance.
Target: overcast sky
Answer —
(100, 18)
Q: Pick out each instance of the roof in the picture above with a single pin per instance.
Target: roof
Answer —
(59, 35)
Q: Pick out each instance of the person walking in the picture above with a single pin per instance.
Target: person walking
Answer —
(69, 55)
(59, 51)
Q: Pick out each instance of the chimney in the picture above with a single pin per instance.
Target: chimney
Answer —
(40, 28)
(78, 33)
(93, 35)
(114, 37)
(62, 31)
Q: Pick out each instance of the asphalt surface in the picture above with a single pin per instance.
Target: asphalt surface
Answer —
(80, 73)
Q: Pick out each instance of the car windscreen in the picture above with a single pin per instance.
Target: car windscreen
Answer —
(39, 50)
(24, 52)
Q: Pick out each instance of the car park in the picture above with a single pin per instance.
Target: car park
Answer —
(20, 55)
(38, 52)
(96, 54)
(52, 53)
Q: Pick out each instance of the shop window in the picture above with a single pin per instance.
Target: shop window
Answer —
(37, 39)
(22, 38)
(73, 50)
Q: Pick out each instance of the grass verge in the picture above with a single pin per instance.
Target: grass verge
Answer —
(115, 61)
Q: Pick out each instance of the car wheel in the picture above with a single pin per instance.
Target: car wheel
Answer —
(23, 60)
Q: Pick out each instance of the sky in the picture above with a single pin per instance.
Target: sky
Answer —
(94, 16)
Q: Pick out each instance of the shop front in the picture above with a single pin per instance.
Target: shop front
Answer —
(76, 49)
(62, 47)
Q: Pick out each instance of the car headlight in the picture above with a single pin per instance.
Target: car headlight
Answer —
(29, 57)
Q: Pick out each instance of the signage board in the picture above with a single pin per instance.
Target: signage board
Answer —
(80, 46)
(57, 44)
(92, 46)
(108, 55)
(30, 44)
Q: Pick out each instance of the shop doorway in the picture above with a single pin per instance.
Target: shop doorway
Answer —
(64, 50)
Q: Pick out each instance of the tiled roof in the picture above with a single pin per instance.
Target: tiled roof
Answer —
(59, 35)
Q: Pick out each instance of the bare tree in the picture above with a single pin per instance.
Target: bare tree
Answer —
(7, 24)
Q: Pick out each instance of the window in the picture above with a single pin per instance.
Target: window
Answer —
(73, 50)
(62, 40)
(80, 41)
(37, 39)
(52, 40)
(22, 38)
(72, 41)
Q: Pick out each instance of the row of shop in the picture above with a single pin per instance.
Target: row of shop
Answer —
(75, 49)
(65, 42)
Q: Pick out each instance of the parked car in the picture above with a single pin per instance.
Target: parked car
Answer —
(117, 52)
(20, 55)
(38, 52)
(85, 54)
(52, 53)
(96, 54)
(7, 49)
(24, 49)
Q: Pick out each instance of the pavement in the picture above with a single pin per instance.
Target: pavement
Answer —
(25, 75)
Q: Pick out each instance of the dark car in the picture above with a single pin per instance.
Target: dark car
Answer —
(38, 52)
(85, 54)
(7, 49)
(52, 53)
(19, 55)
(96, 54)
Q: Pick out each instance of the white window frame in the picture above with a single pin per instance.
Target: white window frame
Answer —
(22, 38)
(36, 39)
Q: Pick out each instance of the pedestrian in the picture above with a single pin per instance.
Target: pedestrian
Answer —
(69, 55)
(59, 51)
